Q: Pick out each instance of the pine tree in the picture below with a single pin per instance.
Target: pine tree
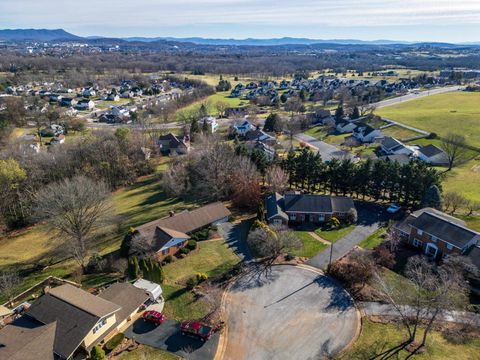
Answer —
(339, 113)
(205, 126)
(355, 113)
(433, 198)
(97, 353)
(261, 211)
(133, 268)
(194, 127)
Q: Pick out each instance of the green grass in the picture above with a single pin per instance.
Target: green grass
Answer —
(311, 246)
(443, 113)
(334, 235)
(377, 337)
(473, 222)
(465, 180)
(399, 132)
(181, 304)
(144, 352)
(318, 132)
(373, 240)
(212, 257)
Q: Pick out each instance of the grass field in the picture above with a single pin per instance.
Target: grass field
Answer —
(311, 246)
(334, 235)
(212, 258)
(373, 240)
(376, 338)
(399, 132)
(464, 179)
(144, 352)
(453, 112)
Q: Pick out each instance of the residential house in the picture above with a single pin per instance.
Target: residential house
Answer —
(85, 104)
(401, 159)
(212, 124)
(88, 92)
(113, 97)
(167, 235)
(242, 128)
(392, 146)
(120, 112)
(432, 155)
(344, 127)
(294, 208)
(269, 151)
(366, 134)
(170, 143)
(59, 139)
(436, 234)
(52, 130)
(68, 102)
(261, 136)
(67, 322)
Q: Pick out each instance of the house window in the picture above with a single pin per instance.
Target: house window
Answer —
(417, 243)
(293, 216)
(420, 232)
(99, 325)
(434, 239)
(449, 246)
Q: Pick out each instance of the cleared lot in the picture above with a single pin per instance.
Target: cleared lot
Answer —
(293, 313)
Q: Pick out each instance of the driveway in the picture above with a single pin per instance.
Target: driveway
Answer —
(167, 337)
(370, 217)
(235, 236)
(327, 151)
(293, 313)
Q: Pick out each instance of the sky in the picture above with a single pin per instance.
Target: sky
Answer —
(408, 20)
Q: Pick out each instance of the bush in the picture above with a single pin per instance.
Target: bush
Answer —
(184, 250)
(201, 277)
(97, 353)
(289, 257)
(192, 245)
(432, 135)
(95, 264)
(191, 283)
(333, 223)
(114, 342)
(200, 235)
(168, 259)
(384, 257)
(351, 217)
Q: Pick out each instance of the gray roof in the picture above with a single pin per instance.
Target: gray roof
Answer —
(443, 229)
(430, 150)
(404, 225)
(317, 203)
(401, 159)
(274, 205)
(391, 143)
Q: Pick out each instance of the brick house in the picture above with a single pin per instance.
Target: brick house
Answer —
(293, 208)
(168, 235)
(437, 234)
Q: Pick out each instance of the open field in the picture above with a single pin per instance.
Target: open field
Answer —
(311, 246)
(400, 133)
(211, 102)
(464, 179)
(453, 112)
(376, 338)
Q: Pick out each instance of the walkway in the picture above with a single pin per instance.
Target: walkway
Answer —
(316, 237)
(459, 317)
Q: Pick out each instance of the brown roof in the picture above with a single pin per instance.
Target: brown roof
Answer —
(84, 301)
(186, 221)
(27, 339)
(129, 297)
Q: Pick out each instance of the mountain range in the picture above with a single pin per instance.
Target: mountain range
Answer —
(62, 35)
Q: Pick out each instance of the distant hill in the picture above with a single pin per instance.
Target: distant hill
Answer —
(36, 35)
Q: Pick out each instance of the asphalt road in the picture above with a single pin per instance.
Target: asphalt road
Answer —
(293, 313)
(327, 151)
(370, 217)
(167, 337)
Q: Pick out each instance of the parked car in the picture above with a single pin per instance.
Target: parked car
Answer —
(393, 208)
(197, 329)
(154, 317)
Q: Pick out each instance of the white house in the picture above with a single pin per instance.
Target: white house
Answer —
(366, 134)
(242, 128)
(120, 111)
(211, 123)
(85, 104)
(392, 146)
(432, 155)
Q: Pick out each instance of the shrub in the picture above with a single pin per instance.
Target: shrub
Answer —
(97, 353)
(432, 135)
(133, 268)
(201, 277)
(351, 216)
(192, 282)
(184, 250)
(192, 244)
(95, 264)
(384, 257)
(114, 342)
(333, 223)
(200, 235)
(168, 259)
(289, 257)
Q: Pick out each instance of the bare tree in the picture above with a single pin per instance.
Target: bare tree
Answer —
(454, 146)
(472, 207)
(276, 179)
(453, 201)
(221, 107)
(75, 209)
(9, 283)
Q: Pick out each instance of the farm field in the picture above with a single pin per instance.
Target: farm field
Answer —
(453, 112)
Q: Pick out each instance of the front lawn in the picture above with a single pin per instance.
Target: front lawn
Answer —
(373, 240)
(144, 352)
(212, 258)
(376, 338)
(335, 234)
(181, 304)
(311, 246)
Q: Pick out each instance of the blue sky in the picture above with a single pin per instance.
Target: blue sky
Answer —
(413, 20)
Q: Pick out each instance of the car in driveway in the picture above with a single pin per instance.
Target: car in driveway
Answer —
(154, 317)
(393, 208)
(197, 330)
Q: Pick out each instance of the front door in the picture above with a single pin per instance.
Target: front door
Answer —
(431, 250)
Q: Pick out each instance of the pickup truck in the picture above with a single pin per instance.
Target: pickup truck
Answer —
(197, 329)
(154, 317)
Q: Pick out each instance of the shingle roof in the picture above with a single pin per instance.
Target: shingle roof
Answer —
(27, 339)
(430, 150)
(446, 230)
(404, 225)
(317, 203)
(390, 143)
(186, 221)
(129, 297)
(274, 204)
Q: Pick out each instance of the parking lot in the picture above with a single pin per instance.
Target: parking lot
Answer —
(167, 337)
(293, 313)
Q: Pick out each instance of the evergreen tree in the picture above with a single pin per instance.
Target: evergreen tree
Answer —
(271, 123)
(339, 113)
(205, 127)
(433, 198)
(355, 113)
(194, 127)
(133, 268)
(125, 246)
(97, 353)
(202, 111)
(261, 211)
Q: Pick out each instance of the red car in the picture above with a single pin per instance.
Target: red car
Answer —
(154, 317)
(197, 329)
